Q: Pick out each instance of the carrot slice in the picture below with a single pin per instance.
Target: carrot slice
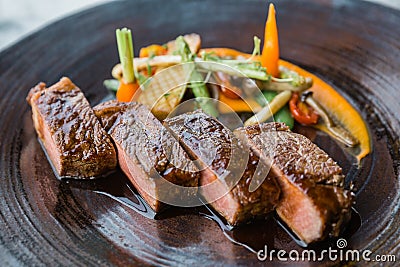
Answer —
(270, 52)
(126, 91)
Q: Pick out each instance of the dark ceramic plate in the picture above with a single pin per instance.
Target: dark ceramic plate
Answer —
(352, 45)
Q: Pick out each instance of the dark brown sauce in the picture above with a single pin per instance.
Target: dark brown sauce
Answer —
(252, 236)
(118, 188)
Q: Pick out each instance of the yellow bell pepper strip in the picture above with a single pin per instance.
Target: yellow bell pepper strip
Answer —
(270, 52)
(337, 105)
(226, 105)
(127, 86)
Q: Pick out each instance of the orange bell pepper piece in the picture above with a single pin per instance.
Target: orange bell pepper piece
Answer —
(152, 50)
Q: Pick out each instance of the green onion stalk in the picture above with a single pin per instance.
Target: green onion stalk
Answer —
(125, 50)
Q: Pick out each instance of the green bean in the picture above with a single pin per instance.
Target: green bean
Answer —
(280, 113)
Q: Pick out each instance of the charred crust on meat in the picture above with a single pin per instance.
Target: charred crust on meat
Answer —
(310, 180)
(239, 205)
(75, 142)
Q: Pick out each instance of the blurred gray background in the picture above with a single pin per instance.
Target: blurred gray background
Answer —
(21, 17)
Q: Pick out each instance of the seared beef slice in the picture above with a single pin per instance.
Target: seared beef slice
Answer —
(314, 204)
(149, 155)
(108, 112)
(224, 160)
(73, 138)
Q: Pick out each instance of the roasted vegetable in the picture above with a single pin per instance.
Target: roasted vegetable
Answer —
(152, 50)
(338, 108)
(289, 80)
(227, 88)
(197, 85)
(146, 62)
(239, 67)
(282, 115)
(270, 53)
(127, 86)
(276, 104)
(301, 112)
(335, 130)
(164, 91)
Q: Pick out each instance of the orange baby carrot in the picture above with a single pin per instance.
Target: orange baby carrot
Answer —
(126, 91)
(270, 52)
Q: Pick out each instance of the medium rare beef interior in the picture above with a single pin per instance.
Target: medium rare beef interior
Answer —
(223, 158)
(73, 138)
(147, 153)
(314, 203)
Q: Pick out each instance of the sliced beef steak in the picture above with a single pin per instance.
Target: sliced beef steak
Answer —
(314, 203)
(73, 138)
(108, 112)
(149, 155)
(227, 165)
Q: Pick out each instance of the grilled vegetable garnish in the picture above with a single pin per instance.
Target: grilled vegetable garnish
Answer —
(127, 86)
(276, 104)
(338, 108)
(278, 80)
(245, 67)
(270, 53)
(197, 85)
(282, 115)
(153, 50)
(301, 112)
(164, 91)
(335, 130)
(290, 80)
